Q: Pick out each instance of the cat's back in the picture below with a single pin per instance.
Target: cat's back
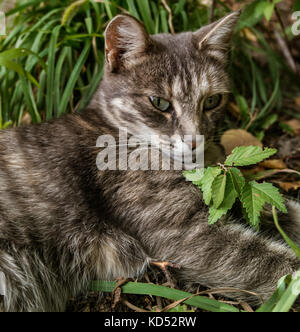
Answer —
(46, 171)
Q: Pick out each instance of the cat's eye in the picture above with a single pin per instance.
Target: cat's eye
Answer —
(212, 102)
(160, 103)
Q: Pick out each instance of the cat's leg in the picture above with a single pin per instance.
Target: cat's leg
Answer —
(118, 255)
(225, 255)
(44, 281)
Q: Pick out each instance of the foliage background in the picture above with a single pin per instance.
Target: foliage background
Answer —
(59, 58)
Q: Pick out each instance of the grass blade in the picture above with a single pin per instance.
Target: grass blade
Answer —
(73, 78)
(51, 73)
(203, 303)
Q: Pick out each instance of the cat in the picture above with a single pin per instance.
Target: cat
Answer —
(64, 223)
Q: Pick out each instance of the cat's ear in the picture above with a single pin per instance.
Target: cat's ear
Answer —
(125, 41)
(217, 36)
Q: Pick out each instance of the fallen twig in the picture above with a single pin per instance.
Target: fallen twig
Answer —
(133, 307)
(168, 9)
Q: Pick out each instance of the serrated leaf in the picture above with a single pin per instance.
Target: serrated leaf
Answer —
(229, 199)
(209, 176)
(270, 194)
(215, 214)
(218, 190)
(195, 176)
(238, 179)
(253, 203)
(248, 155)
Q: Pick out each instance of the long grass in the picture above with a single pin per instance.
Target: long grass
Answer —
(51, 63)
(64, 66)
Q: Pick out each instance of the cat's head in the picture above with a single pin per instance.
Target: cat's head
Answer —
(165, 85)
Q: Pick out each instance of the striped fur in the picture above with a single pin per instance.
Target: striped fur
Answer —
(63, 223)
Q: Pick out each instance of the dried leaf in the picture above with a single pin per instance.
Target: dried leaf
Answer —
(294, 125)
(274, 164)
(238, 137)
(287, 186)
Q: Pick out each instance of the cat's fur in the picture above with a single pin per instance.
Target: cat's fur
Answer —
(64, 223)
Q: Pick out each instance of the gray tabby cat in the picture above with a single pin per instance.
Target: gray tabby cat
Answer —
(64, 223)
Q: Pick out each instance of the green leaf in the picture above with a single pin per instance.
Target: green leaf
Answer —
(218, 190)
(270, 194)
(256, 195)
(229, 199)
(268, 12)
(194, 176)
(248, 155)
(209, 176)
(238, 179)
(253, 203)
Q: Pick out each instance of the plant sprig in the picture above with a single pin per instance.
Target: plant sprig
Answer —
(223, 185)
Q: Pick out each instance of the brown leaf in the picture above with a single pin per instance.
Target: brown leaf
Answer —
(274, 164)
(287, 186)
(295, 125)
(238, 137)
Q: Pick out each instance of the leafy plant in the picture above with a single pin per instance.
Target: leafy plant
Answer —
(223, 185)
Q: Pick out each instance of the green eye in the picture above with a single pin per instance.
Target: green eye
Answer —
(212, 102)
(160, 103)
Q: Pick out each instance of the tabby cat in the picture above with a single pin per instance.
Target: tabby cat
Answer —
(64, 223)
